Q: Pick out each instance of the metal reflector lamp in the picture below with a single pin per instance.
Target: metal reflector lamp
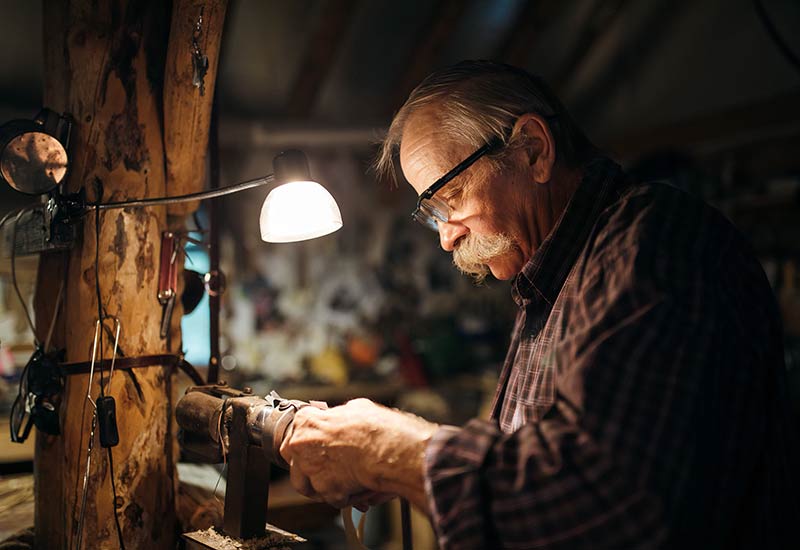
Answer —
(300, 208)
(297, 209)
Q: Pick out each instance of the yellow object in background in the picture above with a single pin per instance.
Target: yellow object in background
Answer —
(330, 366)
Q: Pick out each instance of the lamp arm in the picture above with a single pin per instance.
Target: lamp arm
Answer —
(213, 193)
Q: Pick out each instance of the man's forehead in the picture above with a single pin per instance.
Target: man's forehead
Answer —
(425, 145)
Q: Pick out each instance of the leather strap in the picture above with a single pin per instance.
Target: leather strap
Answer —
(127, 363)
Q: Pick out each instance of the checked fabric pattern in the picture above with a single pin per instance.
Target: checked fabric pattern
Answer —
(642, 401)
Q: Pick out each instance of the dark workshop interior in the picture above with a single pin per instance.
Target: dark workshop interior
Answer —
(181, 320)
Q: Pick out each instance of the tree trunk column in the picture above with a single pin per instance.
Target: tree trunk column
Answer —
(104, 66)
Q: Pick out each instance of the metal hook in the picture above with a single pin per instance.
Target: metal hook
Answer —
(91, 435)
(114, 355)
(91, 366)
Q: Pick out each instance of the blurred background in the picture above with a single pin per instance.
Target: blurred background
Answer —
(705, 94)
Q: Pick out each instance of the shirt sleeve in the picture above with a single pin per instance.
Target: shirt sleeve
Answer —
(655, 392)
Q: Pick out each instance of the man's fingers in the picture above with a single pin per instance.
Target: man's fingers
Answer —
(379, 498)
(330, 491)
(336, 500)
(300, 482)
(284, 447)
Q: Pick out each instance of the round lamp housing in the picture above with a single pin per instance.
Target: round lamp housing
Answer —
(33, 157)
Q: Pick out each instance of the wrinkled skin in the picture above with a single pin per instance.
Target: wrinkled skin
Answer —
(357, 454)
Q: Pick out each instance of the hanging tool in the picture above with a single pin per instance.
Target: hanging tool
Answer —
(167, 279)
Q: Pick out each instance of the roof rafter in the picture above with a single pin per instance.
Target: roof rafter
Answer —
(518, 42)
(438, 29)
(323, 45)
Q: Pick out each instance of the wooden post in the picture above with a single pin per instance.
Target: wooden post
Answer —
(105, 65)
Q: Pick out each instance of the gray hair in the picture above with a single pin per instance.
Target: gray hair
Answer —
(477, 101)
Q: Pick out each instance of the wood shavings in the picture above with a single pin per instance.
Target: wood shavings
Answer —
(274, 539)
(15, 491)
(16, 509)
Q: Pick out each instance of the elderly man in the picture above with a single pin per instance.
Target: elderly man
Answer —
(642, 401)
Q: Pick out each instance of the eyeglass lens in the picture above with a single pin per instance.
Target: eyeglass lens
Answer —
(431, 212)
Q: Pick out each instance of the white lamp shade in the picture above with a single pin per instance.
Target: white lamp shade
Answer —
(297, 211)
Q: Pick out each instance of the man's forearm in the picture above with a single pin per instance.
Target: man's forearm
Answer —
(403, 472)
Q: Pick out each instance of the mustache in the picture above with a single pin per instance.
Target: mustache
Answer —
(474, 252)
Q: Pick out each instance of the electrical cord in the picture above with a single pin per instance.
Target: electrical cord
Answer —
(776, 37)
(17, 215)
(59, 301)
(14, 273)
(8, 216)
(101, 317)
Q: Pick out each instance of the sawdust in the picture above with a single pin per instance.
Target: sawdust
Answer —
(275, 539)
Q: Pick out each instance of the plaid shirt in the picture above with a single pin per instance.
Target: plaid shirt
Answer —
(641, 404)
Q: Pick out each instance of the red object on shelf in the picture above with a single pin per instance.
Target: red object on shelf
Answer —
(411, 368)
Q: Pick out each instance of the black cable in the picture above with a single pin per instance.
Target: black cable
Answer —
(114, 492)
(8, 216)
(101, 317)
(196, 218)
(775, 35)
(14, 276)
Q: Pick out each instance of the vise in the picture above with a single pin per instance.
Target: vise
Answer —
(221, 424)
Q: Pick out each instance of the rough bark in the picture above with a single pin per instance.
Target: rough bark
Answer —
(104, 64)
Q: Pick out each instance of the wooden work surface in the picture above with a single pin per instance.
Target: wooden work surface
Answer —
(287, 508)
(16, 504)
(14, 452)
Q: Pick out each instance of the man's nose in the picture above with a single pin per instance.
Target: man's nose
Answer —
(450, 233)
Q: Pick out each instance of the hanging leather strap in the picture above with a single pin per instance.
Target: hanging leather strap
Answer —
(127, 363)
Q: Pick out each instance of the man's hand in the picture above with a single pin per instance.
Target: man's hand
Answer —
(357, 454)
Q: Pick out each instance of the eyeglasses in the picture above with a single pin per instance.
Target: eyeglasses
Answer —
(431, 211)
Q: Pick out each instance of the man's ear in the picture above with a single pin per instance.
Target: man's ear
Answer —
(539, 146)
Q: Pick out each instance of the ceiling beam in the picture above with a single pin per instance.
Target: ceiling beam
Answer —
(643, 36)
(430, 40)
(750, 123)
(516, 46)
(324, 43)
(597, 25)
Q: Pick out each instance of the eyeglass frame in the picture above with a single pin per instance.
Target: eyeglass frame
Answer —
(489, 147)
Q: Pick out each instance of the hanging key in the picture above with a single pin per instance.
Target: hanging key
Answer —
(199, 70)
(167, 279)
(199, 59)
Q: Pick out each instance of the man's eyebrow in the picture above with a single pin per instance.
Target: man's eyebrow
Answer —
(454, 188)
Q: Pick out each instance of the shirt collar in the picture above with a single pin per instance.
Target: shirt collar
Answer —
(545, 272)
